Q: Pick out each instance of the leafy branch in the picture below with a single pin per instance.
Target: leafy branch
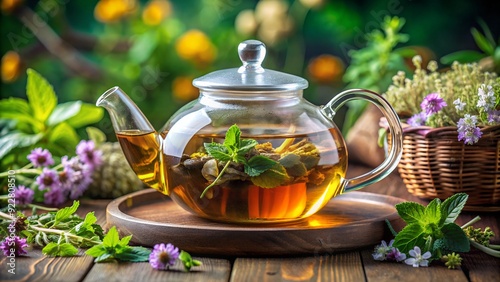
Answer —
(40, 121)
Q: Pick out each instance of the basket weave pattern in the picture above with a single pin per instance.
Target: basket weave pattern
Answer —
(435, 164)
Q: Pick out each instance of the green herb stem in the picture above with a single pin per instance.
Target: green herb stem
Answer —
(216, 179)
(63, 233)
(474, 220)
(6, 216)
(35, 207)
(22, 171)
(485, 249)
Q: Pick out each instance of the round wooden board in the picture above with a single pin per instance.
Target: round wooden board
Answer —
(349, 221)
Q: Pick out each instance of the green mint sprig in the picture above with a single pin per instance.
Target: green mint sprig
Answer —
(432, 228)
(113, 248)
(59, 233)
(234, 149)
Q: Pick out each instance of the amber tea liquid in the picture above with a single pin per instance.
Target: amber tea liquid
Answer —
(238, 200)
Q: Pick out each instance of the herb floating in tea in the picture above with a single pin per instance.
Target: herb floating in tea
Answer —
(234, 150)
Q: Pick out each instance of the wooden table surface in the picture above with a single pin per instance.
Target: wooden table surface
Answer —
(357, 265)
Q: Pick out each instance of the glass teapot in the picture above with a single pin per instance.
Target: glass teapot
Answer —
(250, 149)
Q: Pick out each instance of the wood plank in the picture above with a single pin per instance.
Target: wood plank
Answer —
(480, 266)
(211, 270)
(393, 271)
(38, 267)
(336, 267)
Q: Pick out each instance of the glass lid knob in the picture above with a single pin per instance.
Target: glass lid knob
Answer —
(252, 54)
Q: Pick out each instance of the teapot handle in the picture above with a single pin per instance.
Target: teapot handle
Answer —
(396, 132)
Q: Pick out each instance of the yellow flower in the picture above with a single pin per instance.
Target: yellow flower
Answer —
(195, 46)
(10, 5)
(326, 68)
(109, 11)
(313, 4)
(246, 23)
(11, 66)
(183, 89)
(156, 11)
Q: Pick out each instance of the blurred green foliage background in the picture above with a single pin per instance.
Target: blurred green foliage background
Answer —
(154, 48)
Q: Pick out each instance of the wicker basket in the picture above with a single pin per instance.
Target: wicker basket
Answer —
(435, 164)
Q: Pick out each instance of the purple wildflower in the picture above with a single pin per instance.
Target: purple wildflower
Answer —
(48, 179)
(467, 129)
(54, 197)
(66, 177)
(88, 154)
(418, 259)
(388, 252)
(40, 157)
(81, 176)
(14, 243)
(494, 117)
(23, 195)
(417, 119)
(432, 103)
(487, 98)
(395, 255)
(163, 256)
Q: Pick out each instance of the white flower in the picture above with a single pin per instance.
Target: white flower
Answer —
(459, 105)
(486, 100)
(417, 258)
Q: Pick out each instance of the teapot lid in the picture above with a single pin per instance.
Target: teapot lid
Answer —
(251, 76)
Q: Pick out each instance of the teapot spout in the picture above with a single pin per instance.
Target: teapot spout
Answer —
(140, 142)
(124, 113)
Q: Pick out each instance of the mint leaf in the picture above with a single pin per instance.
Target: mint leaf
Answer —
(86, 226)
(41, 96)
(246, 146)
(432, 212)
(111, 239)
(133, 254)
(125, 240)
(411, 212)
(454, 238)
(64, 111)
(217, 151)
(96, 251)
(64, 135)
(232, 140)
(66, 212)
(95, 134)
(13, 107)
(451, 207)
(88, 114)
(104, 258)
(258, 164)
(293, 165)
(412, 235)
(16, 139)
(271, 178)
(60, 250)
